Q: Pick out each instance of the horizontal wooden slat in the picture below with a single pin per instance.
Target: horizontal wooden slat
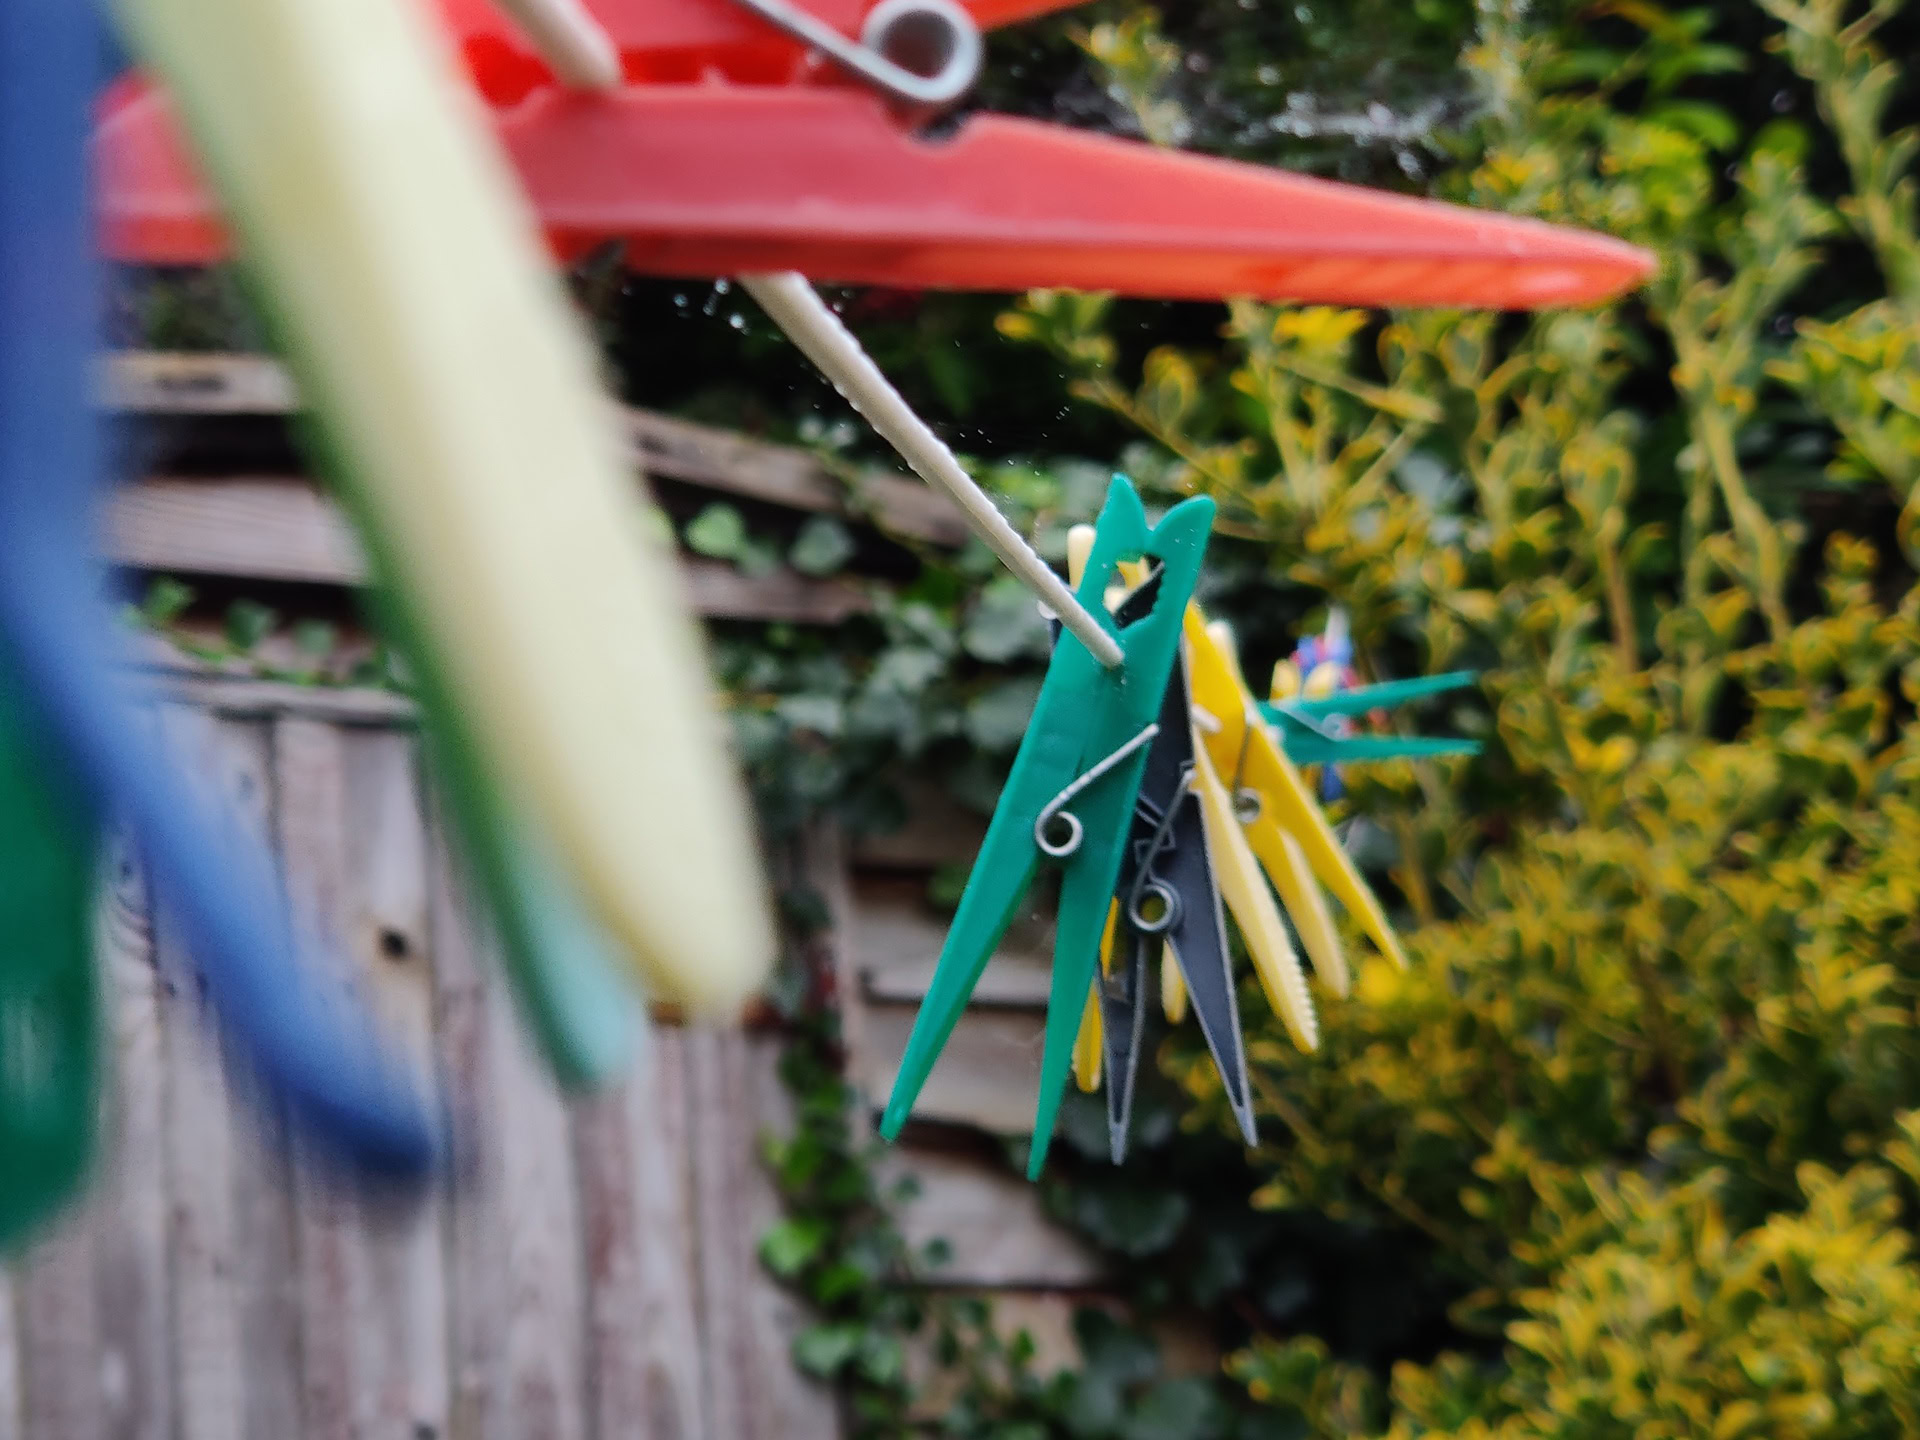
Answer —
(896, 937)
(997, 1233)
(154, 383)
(282, 528)
(987, 1075)
(938, 831)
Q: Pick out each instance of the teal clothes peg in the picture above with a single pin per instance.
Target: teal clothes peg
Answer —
(49, 998)
(1308, 742)
(1070, 799)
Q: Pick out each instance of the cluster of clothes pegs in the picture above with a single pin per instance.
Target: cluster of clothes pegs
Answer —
(1162, 789)
(390, 170)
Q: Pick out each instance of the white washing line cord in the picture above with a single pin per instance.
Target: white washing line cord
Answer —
(581, 54)
(796, 307)
(572, 42)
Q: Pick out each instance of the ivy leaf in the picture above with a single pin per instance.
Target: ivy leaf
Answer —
(822, 714)
(757, 559)
(790, 1246)
(248, 623)
(997, 719)
(1129, 1218)
(951, 378)
(717, 531)
(1176, 1410)
(822, 547)
(1005, 625)
(823, 1350)
(166, 600)
(882, 1360)
(315, 638)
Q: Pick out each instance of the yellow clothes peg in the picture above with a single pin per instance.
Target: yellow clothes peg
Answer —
(1237, 872)
(399, 262)
(1090, 1044)
(1251, 904)
(1306, 904)
(1247, 754)
(1173, 991)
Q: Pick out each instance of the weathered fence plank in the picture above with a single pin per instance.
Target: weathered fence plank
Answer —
(136, 1320)
(201, 1229)
(60, 1345)
(329, 1238)
(645, 1379)
(10, 1416)
(404, 1346)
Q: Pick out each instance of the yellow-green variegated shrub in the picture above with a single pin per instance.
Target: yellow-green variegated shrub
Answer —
(1650, 1086)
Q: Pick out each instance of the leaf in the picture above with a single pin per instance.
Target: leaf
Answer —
(997, 720)
(315, 638)
(822, 547)
(1184, 1409)
(718, 532)
(248, 623)
(1005, 624)
(791, 1245)
(1709, 124)
(952, 379)
(822, 714)
(1131, 1218)
(824, 1350)
(758, 558)
(166, 600)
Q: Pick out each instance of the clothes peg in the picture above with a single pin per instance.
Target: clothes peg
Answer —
(320, 1055)
(49, 998)
(375, 210)
(727, 152)
(1307, 739)
(1167, 893)
(1069, 798)
(1272, 800)
(1211, 861)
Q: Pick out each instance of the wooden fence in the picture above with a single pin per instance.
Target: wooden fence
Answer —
(593, 1274)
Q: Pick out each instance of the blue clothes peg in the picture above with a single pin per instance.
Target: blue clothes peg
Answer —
(316, 1049)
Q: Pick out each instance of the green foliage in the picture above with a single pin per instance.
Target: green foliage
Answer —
(1647, 1094)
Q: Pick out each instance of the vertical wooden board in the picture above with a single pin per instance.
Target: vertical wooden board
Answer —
(60, 1334)
(10, 1418)
(747, 1322)
(476, 1220)
(132, 1272)
(715, 1107)
(796, 1407)
(546, 1344)
(824, 868)
(310, 819)
(266, 1278)
(517, 1316)
(208, 1373)
(263, 1274)
(644, 1378)
(402, 1337)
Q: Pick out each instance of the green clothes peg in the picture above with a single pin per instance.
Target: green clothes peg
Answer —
(49, 1026)
(1070, 798)
(1308, 742)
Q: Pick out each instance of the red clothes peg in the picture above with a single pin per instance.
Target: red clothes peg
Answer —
(728, 150)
